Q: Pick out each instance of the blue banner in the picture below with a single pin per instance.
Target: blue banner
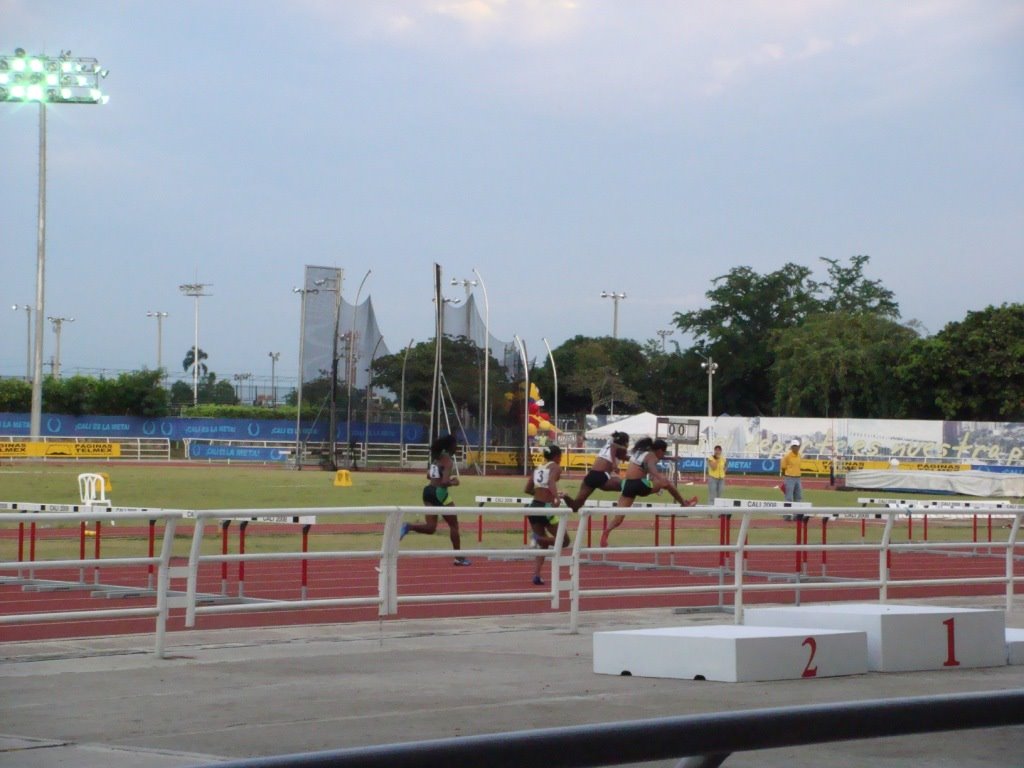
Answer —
(234, 453)
(270, 430)
(999, 468)
(735, 466)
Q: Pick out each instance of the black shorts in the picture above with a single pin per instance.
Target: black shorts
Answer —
(633, 488)
(596, 480)
(538, 519)
(435, 495)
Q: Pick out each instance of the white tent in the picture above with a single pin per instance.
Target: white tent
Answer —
(637, 426)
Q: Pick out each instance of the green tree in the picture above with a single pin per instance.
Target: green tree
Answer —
(739, 326)
(970, 370)
(138, 393)
(594, 374)
(15, 396)
(847, 290)
(841, 364)
(72, 396)
(190, 359)
(463, 366)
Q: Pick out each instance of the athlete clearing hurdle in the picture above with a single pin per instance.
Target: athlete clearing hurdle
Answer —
(603, 472)
(644, 478)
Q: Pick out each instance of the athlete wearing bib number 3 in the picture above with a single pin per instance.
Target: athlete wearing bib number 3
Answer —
(543, 486)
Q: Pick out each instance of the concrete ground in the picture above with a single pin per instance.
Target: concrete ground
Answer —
(237, 693)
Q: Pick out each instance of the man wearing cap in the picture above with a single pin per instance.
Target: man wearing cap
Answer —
(790, 468)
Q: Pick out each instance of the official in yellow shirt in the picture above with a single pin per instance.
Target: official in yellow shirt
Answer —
(790, 468)
(716, 474)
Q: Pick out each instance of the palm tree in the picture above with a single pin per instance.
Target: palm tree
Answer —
(190, 359)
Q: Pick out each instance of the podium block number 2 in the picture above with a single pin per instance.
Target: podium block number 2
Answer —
(950, 644)
(810, 671)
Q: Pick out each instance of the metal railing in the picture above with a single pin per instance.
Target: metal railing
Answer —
(695, 740)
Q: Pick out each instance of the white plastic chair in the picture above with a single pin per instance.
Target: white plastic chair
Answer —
(92, 489)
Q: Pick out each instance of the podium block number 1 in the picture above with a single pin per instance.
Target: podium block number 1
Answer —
(950, 644)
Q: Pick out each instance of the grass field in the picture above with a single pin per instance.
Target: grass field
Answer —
(235, 487)
(217, 487)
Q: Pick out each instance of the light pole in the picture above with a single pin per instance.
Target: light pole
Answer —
(47, 80)
(521, 345)
(302, 360)
(554, 376)
(58, 323)
(196, 291)
(711, 367)
(28, 338)
(401, 408)
(159, 337)
(664, 335)
(369, 384)
(351, 349)
(468, 285)
(615, 297)
(274, 357)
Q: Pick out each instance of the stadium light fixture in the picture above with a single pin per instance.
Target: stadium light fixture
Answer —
(664, 333)
(616, 297)
(63, 79)
(711, 367)
(196, 291)
(274, 357)
(58, 323)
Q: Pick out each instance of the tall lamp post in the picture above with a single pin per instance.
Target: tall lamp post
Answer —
(711, 367)
(302, 361)
(369, 385)
(401, 407)
(274, 357)
(521, 345)
(159, 337)
(196, 291)
(58, 323)
(615, 296)
(351, 362)
(468, 285)
(60, 79)
(28, 338)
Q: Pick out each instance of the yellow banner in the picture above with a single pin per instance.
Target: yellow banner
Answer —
(33, 450)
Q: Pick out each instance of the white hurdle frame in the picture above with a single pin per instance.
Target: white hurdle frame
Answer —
(170, 519)
(388, 599)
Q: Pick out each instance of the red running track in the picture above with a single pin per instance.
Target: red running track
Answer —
(498, 574)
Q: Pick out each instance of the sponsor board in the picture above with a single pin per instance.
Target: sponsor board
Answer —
(34, 450)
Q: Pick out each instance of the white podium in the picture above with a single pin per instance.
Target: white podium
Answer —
(731, 653)
(904, 638)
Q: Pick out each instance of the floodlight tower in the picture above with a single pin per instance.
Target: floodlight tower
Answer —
(46, 80)
(58, 323)
(196, 291)
(616, 297)
(274, 357)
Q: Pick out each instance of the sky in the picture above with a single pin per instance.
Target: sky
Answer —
(561, 148)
